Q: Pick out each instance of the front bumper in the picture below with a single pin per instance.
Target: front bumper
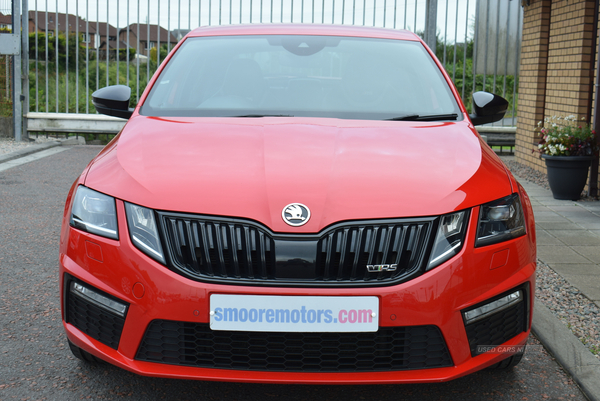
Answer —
(437, 298)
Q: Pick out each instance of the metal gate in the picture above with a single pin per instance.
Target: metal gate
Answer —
(73, 47)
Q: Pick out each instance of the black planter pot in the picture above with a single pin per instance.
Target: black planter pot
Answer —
(567, 175)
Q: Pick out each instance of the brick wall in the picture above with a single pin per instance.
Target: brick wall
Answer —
(532, 80)
(557, 58)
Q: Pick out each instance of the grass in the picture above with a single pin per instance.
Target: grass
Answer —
(72, 92)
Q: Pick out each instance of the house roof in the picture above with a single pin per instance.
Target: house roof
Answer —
(180, 33)
(112, 31)
(53, 17)
(112, 44)
(154, 29)
(5, 19)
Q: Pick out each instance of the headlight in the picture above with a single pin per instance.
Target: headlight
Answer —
(143, 231)
(94, 213)
(500, 220)
(449, 239)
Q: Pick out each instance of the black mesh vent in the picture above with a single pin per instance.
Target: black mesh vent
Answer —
(389, 349)
(94, 321)
(234, 250)
(498, 328)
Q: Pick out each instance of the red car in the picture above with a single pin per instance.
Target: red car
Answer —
(298, 204)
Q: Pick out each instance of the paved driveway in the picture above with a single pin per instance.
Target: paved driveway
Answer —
(35, 362)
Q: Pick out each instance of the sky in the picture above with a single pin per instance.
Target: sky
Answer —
(452, 21)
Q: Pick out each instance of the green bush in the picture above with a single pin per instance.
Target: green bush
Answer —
(73, 43)
(96, 76)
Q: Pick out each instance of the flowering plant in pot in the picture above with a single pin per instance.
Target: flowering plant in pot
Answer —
(567, 145)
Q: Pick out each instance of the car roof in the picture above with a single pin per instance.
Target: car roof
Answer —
(304, 29)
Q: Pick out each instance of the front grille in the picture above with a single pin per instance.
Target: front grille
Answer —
(498, 328)
(241, 251)
(94, 321)
(389, 349)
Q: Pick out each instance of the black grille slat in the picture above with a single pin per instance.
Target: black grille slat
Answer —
(235, 250)
(192, 239)
(248, 250)
(388, 349)
(341, 248)
(399, 243)
(263, 254)
(205, 255)
(356, 249)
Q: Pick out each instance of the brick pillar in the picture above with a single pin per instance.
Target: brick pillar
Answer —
(532, 80)
(570, 58)
(556, 62)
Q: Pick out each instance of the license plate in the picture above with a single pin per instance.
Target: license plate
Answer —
(293, 313)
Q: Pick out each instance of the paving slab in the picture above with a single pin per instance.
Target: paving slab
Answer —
(577, 269)
(541, 208)
(591, 206)
(574, 237)
(591, 224)
(590, 252)
(549, 217)
(579, 216)
(572, 209)
(552, 254)
(558, 226)
(550, 201)
(545, 238)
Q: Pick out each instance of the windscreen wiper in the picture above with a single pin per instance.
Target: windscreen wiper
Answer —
(263, 115)
(427, 117)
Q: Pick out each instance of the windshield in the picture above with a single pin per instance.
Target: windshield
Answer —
(306, 76)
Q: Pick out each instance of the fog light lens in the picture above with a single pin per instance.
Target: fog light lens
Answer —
(98, 299)
(495, 306)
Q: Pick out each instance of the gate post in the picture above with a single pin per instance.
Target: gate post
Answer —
(25, 66)
(430, 34)
(17, 107)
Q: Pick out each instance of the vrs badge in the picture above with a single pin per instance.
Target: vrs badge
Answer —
(295, 214)
(381, 268)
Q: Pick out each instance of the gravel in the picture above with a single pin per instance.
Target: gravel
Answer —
(526, 173)
(571, 307)
(8, 145)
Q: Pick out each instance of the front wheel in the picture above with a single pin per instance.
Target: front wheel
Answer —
(509, 362)
(82, 355)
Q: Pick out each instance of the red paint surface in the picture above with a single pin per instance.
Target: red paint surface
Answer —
(340, 169)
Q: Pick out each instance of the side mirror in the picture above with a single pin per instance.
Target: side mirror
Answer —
(488, 108)
(113, 101)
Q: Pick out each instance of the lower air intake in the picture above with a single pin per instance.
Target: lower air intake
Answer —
(94, 321)
(498, 328)
(389, 349)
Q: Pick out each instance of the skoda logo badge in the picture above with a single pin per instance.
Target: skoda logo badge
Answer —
(295, 214)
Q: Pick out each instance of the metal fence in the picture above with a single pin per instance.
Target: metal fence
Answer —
(6, 86)
(76, 47)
